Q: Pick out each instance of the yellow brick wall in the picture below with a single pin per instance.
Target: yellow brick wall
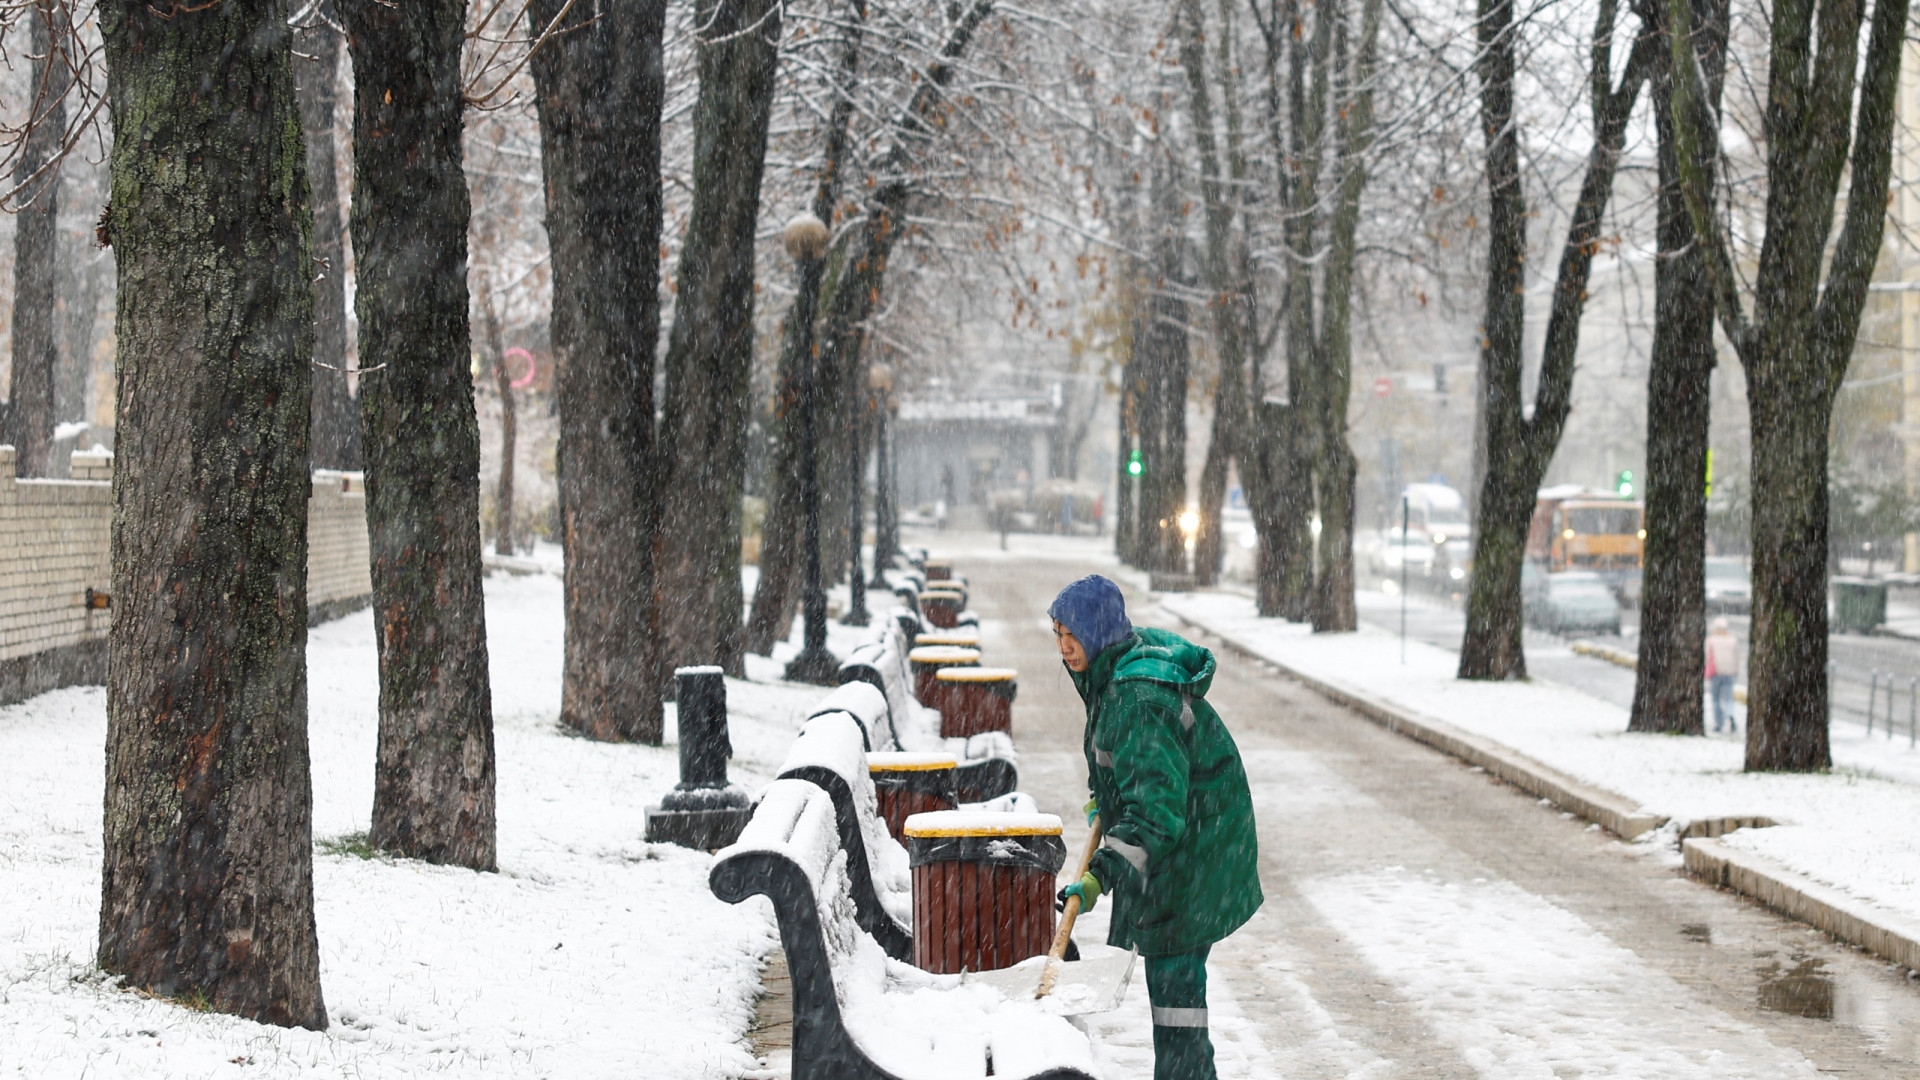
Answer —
(53, 548)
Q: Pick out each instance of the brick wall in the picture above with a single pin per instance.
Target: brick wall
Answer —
(53, 549)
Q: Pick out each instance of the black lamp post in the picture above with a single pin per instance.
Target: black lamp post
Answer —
(886, 525)
(857, 572)
(806, 241)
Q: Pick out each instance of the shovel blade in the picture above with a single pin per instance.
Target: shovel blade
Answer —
(1095, 983)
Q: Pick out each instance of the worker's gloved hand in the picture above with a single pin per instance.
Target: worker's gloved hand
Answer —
(1093, 811)
(1087, 889)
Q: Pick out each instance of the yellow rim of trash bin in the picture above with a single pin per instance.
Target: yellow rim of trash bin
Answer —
(910, 762)
(951, 639)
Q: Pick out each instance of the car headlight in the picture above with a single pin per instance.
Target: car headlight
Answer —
(1456, 573)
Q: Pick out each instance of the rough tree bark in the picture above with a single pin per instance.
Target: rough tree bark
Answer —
(336, 415)
(1519, 447)
(710, 351)
(36, 352)
(601, 84)
(433, 793)
(1673, 620)
(206, 887)
(1164, 360)
(780, 555)
(1796, 345)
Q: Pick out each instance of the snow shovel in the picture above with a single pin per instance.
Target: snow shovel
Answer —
(1092, 984)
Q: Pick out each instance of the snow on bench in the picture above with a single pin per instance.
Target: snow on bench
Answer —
(829, 755)
(867, 704)
(858, 1015)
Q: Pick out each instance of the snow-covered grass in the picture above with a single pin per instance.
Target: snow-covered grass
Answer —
(1846, 828)
(590, 953)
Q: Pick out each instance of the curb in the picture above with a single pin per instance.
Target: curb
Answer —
(1615, 813)
(1879, 932)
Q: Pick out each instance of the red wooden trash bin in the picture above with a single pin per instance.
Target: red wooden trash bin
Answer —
(925, 660)
(983, 887)
(938, 569)
(962, 637)
(908, 784)
(975, 699)
(942, 607)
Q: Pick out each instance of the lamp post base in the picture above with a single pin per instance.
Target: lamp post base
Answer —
(816, 666)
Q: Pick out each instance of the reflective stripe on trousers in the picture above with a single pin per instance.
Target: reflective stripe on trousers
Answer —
(1177, 990)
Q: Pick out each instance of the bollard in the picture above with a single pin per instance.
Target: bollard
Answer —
(703, 810)
(975, 700)
(905, 784)
(982, 888)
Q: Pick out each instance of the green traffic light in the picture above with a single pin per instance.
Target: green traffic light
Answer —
(1135, 466)
(1626, 483)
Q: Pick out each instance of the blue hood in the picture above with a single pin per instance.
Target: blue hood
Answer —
(1093, 610)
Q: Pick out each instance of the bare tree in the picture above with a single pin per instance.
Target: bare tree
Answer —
(1518, 445)
(1797, 340)
(601, 89)
(1673, 599)
(35, 246)
(207, 879)
(434, 784)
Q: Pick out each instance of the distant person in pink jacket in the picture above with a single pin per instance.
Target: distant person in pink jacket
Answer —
(1723, 663)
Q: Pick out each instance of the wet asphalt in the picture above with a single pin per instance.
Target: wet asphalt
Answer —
(1340, 800)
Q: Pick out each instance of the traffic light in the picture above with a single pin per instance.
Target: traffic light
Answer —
(1135, 467)
(1626, 483)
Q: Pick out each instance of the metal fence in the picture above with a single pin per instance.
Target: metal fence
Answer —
(1884, 701)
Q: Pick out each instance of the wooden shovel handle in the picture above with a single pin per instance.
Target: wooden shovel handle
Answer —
(1072, 911)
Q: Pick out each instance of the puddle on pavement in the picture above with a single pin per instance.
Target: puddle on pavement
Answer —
(1697, 931)
(1801, 990)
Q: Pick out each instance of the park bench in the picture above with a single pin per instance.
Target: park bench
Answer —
(858, 1015)
(829, 755)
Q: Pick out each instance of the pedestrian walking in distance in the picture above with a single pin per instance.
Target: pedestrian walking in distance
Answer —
(1178, 855)
(1723, 663)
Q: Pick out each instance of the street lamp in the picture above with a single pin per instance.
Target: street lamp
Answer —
(886, 525)
(806, 241)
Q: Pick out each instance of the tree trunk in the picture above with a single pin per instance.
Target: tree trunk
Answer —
(1673, 622)
(1519, 447)
(1333, 601)
(336, 415)
(1125, 527)
(503, 385)
(1163, 484)
(601, 85)
(206, 889)
(774, 595)
(35, 247)
(433, 793)
(1797, 348)
(710, 352)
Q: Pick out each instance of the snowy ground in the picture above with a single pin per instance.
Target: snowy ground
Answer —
(1851, 828)
(590, 953)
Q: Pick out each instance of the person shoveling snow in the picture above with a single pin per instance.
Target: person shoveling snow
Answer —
(1170, 794)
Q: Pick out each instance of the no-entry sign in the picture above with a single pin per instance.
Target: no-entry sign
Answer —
(1382, 386)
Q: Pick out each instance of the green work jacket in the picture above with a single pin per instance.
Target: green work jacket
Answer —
(1180, 858)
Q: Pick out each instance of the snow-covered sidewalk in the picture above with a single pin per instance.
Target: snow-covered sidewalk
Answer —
(590, 953)
(1847, 829)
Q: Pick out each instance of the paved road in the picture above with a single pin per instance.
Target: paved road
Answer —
(1424, 920)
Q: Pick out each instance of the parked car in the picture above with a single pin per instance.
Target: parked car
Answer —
(1573, 601)
(1729, 586)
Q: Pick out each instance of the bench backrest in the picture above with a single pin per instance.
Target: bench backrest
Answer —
(829, 755)
(867, 704)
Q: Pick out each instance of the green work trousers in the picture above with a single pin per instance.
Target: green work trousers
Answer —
(1177, 990)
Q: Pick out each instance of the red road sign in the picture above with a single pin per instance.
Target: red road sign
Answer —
(1382, 386)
